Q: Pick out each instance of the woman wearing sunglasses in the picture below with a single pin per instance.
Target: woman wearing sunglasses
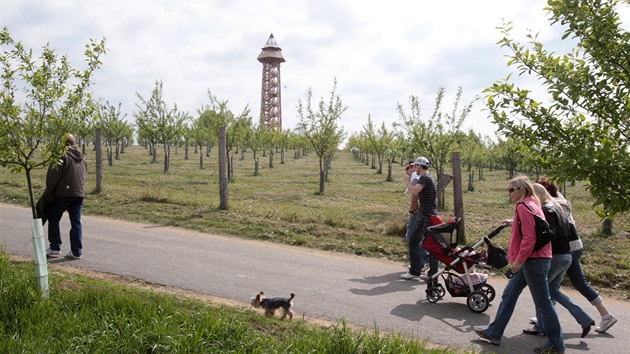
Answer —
(530, 269)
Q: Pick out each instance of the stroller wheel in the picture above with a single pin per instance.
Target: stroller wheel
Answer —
(488, 290)
(441, 290)
(477, 302)
(433, 295)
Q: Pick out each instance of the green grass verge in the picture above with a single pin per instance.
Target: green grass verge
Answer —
(84, 315)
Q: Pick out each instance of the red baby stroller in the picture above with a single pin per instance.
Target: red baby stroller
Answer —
(471, 285)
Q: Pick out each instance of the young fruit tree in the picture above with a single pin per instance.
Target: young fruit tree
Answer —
(41, 99)
(321, 129)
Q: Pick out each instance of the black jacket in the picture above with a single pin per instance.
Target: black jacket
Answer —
(68, 179)
(559, 223)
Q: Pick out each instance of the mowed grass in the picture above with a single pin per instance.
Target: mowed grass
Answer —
(360, 213)
(84, 315)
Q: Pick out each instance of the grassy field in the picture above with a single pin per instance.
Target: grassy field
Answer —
(360, 212)
(84, 315)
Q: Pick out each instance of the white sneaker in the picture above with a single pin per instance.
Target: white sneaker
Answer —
(52, 253)
(533, 320)
(409, 276)
(70, 255)
(424, 277)
(604, 325)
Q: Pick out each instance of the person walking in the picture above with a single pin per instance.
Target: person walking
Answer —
(529, 268)
(575, 273)
(561, 259)
(425, 190)
(410, 170)
(67, 182)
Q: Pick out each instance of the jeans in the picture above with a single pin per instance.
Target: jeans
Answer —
(533, 274)
(416, 228)
(578, 280)
(73, 205)
(559, 265)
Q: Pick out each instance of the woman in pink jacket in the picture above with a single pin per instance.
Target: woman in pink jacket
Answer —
(529, 268)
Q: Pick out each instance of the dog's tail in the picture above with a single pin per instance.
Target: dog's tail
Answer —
(292, 296)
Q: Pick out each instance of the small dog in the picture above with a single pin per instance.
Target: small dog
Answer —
(272, 304)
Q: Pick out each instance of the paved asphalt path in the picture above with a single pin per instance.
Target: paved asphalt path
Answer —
(330, 286)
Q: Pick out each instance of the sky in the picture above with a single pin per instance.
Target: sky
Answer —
(380, 55)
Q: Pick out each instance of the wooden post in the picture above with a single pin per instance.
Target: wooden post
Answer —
(458, 197)
(98, 146)
(223, 178)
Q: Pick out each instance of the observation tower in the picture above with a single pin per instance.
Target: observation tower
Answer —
(271, 100)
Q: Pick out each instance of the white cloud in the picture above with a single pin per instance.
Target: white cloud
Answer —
(380, 54)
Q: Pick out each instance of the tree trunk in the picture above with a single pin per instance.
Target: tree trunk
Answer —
(167, 152)
(471, 178)
(607, 226)
(99, 160)
(223, 175)
(322, 175)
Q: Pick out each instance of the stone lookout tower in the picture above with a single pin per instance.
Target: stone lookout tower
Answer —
(271, 101)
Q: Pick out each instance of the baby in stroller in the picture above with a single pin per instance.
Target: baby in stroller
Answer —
(462, 261)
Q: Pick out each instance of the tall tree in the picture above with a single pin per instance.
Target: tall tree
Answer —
(582, 124)
(41, 100)
(384, 149)
(473, 152)
(321, 128)
(369, 134)
(436, 138)
(163, 124)
(115, 129)
(236, 126)
(510, 154)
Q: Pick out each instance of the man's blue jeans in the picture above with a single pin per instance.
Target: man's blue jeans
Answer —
(73, 205)
(559, 265)
(533, 274)
(416, 228)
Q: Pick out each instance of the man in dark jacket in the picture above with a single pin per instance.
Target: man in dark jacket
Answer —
(67, 181)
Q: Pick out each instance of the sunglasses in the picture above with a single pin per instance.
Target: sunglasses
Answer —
(407, 168)
(510, 190)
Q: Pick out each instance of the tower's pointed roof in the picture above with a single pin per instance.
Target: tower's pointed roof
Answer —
(271, 42)
(271, 51)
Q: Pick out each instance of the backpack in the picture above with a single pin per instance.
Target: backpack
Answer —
(544, 233)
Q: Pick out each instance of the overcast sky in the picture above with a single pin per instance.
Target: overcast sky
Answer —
(380, 54)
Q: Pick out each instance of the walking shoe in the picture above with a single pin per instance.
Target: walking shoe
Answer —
(548, 350)
(52, 253)
(424, 277)
(70, 255)
(409, 276)
(534, 332)
(481, 333)
(533, 320)
(604, 325)
(587, 329)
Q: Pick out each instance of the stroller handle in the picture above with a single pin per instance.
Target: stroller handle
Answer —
(496, 231)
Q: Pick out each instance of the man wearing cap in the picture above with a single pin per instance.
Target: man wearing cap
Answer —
(425, 188)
